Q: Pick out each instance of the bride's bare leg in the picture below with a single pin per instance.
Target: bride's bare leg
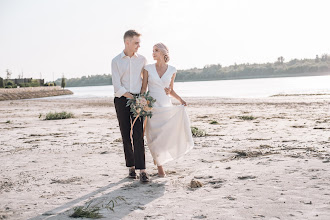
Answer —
(161, 171)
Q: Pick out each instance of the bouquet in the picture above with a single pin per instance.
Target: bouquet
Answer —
(141, 106)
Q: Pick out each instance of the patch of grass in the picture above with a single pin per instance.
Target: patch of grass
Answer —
(298, 126)
(245, 154)
(58, 115)
(86, 212)
(111, 204)
(196, 132)
(94, 211)
(299, 94)
(66, 181)
(265, 146)
(118, 140)
(240, 153)
(204, 116)
(247, 117)
(246, 177)
(214, 122)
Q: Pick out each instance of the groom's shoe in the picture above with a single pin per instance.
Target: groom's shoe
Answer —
(132, 173)
(144, 177)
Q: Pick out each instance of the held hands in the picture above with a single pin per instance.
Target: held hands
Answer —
(168, 90)
(129, 95)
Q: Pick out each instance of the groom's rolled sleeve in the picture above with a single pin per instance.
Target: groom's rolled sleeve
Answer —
(117, 86)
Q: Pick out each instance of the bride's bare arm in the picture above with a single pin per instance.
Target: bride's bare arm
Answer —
(171, 91)
(144, 81)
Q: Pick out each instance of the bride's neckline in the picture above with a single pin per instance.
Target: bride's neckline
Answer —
(163, 73)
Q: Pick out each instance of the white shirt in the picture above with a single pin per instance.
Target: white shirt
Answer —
(126, 73)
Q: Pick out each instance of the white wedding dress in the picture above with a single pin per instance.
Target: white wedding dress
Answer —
(168, 130)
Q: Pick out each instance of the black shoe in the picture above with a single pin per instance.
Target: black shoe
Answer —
(131, 173)
(144, 177)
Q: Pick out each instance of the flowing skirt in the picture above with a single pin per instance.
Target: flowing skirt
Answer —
(168, 133)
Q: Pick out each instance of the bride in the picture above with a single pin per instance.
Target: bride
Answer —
(168, 131)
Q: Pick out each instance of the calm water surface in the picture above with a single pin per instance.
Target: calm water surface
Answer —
(242, 88)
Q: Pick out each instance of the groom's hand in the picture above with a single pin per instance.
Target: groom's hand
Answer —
(128, 95)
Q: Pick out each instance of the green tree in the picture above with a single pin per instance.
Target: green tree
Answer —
(317, 59)
(63, 82)
(2, 85)
(280, 60)
(8, 74)
(35, 83)
(9, 83)
(324, 57)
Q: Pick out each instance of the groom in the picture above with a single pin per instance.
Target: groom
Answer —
(126, 79)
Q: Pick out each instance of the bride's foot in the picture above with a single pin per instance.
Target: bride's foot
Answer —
(161, 172)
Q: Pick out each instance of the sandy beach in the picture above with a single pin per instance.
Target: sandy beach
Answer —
(266, 158)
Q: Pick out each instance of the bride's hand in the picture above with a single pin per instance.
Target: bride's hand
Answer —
(183, 102)
(167, 90)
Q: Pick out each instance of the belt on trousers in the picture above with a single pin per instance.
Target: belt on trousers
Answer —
(134, 94)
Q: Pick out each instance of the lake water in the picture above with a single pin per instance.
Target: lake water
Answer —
(241, 88)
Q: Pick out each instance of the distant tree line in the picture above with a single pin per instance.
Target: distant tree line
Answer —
(279, 68)
(93, 80)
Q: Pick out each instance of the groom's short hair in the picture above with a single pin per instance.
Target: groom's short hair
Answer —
(131, 34)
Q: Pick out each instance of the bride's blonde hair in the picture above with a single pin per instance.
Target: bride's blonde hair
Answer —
(164, 50)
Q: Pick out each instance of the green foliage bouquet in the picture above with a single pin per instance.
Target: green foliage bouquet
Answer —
(141, 106)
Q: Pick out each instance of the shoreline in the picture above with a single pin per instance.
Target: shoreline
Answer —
(32, 92)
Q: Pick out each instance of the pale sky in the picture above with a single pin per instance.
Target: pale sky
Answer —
(80, 37)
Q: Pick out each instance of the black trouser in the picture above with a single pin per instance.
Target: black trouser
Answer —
(134, 157)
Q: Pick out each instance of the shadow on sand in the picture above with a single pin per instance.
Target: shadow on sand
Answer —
(135, 194)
